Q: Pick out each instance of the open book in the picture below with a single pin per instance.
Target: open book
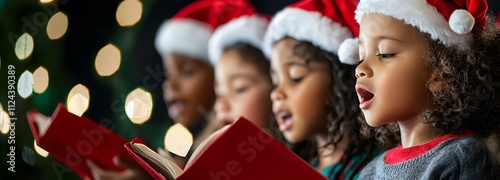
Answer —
(242, 151)
(155, 164)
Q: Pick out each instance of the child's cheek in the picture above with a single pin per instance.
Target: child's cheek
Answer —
(256, 106)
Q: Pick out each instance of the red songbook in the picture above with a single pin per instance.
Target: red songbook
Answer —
(241, 152)
(72, 140)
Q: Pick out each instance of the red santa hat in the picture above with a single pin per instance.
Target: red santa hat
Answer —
(324, 23)
(189, 31)
(247, 28)
(448, 21)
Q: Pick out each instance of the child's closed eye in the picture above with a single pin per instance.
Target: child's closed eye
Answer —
(385, 56)
(296, 79)
(240, 90)
(187, 71)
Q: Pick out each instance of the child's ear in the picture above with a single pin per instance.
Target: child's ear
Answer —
(435, 83)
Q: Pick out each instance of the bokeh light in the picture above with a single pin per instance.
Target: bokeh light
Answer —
(57, 25)
(78, 100)
(40, 80)
(107, 60)
(129, 12)
(138, 106)
(4, 122)
(46, 1)
(178, 140)
(25, 84)
(39, 150)
(24, 46)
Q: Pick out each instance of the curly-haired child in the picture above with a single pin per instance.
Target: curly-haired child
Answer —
(434, 68)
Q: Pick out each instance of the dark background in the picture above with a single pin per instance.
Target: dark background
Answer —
(70, 60)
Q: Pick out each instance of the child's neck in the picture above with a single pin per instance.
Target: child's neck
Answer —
(329, 155)
(414, 132)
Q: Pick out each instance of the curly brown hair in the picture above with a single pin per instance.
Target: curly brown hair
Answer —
(344, 115)
(469, 100)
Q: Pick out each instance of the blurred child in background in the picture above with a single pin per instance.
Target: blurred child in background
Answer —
(243, 83)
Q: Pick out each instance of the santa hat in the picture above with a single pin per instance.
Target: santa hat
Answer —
(448, 21)
(189, 31)
(324, 23)
(249, 28)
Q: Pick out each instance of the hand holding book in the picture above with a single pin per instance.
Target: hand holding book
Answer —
(240, 151)
(73, 140)
(132, 170)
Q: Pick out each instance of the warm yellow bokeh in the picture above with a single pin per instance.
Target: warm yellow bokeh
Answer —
(4, 122)
(40, 80)
(138, 106)
(108, 60)
(78, 100)
(46, 1)
(129, 12)
(178, 140)
(57, 25)
(39, 150)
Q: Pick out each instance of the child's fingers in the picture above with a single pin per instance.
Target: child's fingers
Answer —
(101, 174)
(97, 172)
(132, 171)
(123, 163)
(42, 122)
(93, 167)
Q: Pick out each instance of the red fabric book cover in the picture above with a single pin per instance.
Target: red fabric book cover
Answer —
(72, 140)
(245, 152)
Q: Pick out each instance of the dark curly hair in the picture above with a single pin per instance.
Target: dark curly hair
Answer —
(344, 115)
(469, 100)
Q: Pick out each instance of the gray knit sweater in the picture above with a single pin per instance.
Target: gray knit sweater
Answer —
(457, 158)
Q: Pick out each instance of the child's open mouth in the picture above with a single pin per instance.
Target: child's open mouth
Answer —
(175, 108)
(365, 96)
(284, 120)
(223, 122)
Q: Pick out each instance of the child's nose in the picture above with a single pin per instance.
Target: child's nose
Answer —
(171, 84)
(277, 94)
(221, 105)
(363, 70)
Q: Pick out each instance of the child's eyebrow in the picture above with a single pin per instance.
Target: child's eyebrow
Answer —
(242, 75)
(389, 38)
(294, 63)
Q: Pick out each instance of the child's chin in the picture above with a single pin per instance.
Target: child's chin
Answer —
(374, 123)
(291, 138)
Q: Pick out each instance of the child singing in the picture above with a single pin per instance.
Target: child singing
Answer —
(314, 97)
(242, 80)
(434, 68)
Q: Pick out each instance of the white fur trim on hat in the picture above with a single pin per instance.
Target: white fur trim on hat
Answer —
(184, 36)
(349, 51)
(246, 29)
(417, 13)
(308, 26)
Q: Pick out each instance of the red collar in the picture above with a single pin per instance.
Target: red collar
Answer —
(400, 154)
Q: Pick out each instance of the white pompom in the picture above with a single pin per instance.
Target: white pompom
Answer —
(461, 21)
(349, 51)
